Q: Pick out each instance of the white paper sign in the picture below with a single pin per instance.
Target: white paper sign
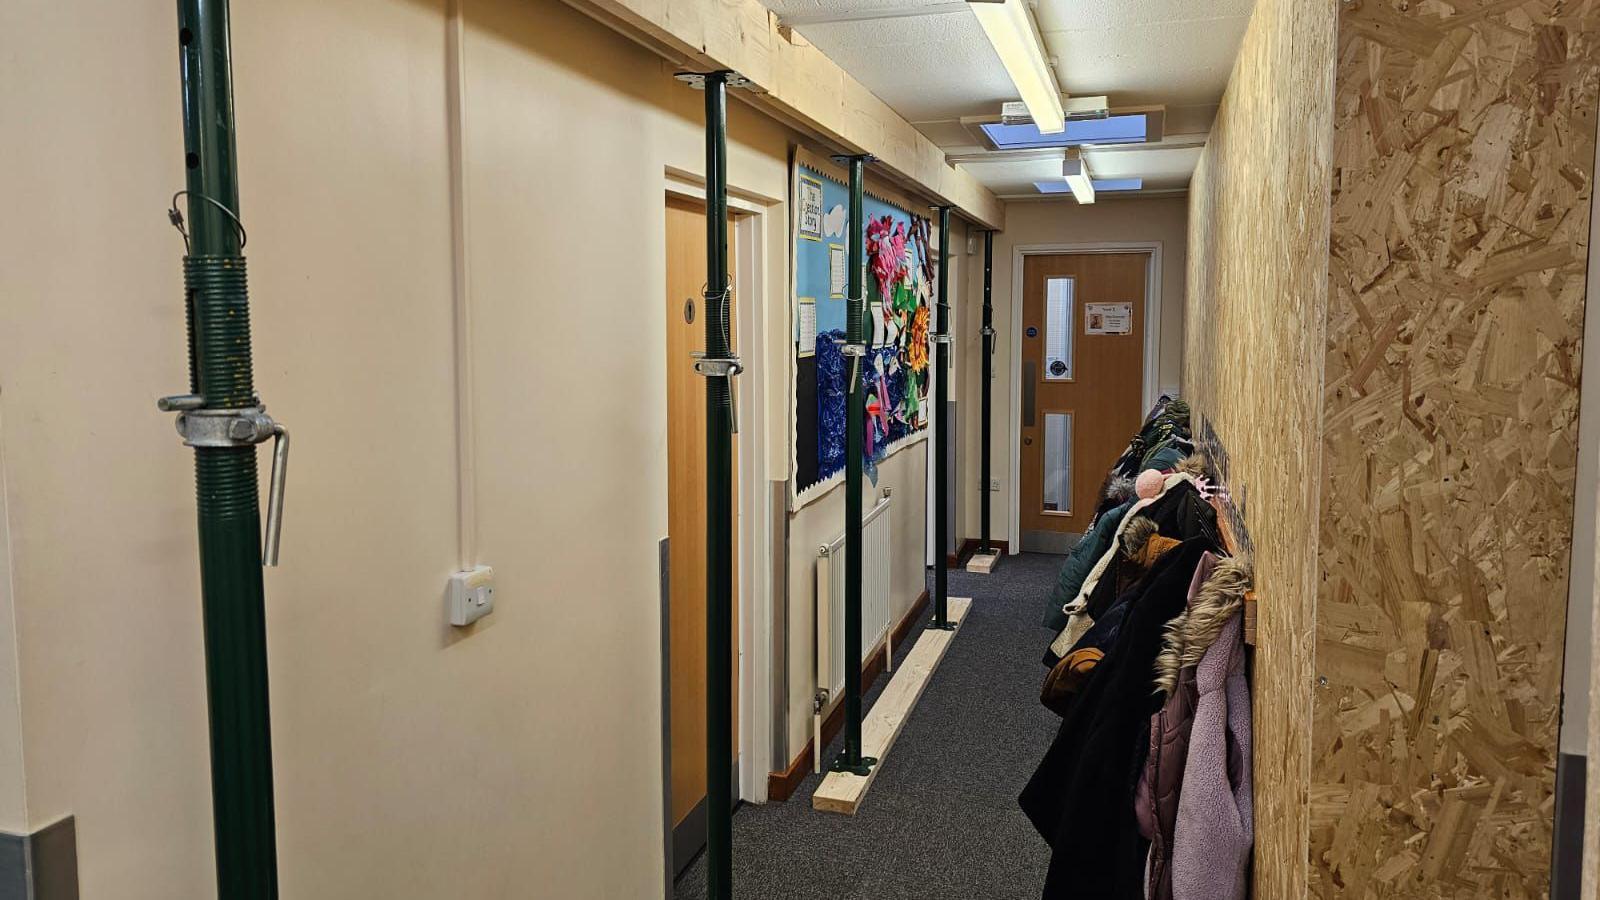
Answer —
(810, 208)
(838, 272)
(806, 320)
(1108, 318)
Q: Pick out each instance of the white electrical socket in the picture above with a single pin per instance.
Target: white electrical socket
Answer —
(471, 595)
(994, 484)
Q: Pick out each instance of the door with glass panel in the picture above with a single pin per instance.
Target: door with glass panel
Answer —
(1082, 385)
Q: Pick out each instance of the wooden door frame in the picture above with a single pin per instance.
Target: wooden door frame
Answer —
(1152, 349)
(754, 593)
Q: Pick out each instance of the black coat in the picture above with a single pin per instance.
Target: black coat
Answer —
(1081, 797)
(1182, 514)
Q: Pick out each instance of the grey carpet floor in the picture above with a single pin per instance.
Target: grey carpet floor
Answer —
(941, 821)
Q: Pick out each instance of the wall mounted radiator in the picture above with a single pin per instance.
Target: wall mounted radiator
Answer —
(875, 541)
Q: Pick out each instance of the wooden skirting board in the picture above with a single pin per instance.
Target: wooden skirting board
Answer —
(843, 792)
(958, 560)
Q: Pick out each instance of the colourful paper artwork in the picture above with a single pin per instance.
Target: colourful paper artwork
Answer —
(895, 373)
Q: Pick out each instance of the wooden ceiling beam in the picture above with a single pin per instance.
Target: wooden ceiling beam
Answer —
(800, 86)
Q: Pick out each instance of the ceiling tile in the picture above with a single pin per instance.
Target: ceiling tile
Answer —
(1111, 15)
(814, 7)
(934, 69)
(1147, 63)
(1160, 169)
(927, 67)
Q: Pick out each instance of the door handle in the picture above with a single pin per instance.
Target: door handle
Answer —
(1030, 378)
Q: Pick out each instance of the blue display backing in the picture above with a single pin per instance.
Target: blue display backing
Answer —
(900, 393)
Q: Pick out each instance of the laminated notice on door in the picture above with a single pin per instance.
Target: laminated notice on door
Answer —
(1108, 318)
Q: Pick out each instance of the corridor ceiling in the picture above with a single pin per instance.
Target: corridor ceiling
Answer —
(930, 61)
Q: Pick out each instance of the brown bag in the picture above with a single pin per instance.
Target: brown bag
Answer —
(1067, 677)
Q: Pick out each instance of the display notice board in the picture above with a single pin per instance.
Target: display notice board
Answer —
(897, 286)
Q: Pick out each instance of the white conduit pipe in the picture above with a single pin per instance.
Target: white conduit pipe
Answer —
(466, 432)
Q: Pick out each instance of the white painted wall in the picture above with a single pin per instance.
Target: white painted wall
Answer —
(959, 285)
(13, 796)
(905, 473)
(411, 760)
(1053, 222)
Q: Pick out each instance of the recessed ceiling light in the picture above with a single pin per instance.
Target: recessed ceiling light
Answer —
(1101, 186)
(1111, 130)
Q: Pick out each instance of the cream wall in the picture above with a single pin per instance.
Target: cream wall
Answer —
(99, 495)
(412, 760)
(905, 474)
(13, 796)
(964, 319)
(1052, 222)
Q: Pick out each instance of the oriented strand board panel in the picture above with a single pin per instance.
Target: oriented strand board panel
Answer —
(1255, 306)
(1463, 151)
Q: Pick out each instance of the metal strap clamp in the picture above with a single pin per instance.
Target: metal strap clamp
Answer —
(717, 366)
(246, 426)
(721, 367)
(697, 80)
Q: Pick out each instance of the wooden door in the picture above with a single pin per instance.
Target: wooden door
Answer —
(686, 524)
(1082, 385)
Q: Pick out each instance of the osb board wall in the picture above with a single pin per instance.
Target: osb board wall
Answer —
(1255, 306)
(1463, 153)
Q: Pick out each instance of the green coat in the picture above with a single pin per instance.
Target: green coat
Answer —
(1163, 456)
(1080, 562)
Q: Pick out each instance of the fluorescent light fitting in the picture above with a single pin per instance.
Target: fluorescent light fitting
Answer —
(1016, 41)
(1076, 173)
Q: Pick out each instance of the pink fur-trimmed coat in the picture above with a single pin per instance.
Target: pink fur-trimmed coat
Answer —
(1193, 800)
(1216, 810)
